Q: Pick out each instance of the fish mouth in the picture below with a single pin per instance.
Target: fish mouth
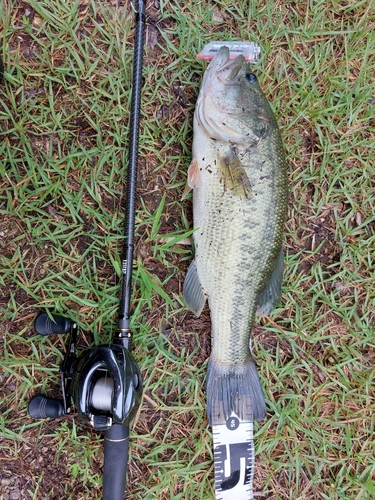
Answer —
(215, 107)
(227, 71)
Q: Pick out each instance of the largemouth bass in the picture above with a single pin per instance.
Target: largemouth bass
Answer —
(239, 180)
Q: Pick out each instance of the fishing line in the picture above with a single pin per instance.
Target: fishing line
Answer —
(102, 394)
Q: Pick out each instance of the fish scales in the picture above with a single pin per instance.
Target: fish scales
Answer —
(240, 193)
(235, 251)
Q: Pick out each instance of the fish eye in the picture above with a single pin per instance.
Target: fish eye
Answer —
(251, 78)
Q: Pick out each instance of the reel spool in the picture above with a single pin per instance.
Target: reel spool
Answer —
(102, 394)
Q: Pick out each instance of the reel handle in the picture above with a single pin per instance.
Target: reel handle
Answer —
(44, 325)
(116, 446)
(42, 407)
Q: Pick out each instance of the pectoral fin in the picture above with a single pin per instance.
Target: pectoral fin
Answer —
(194, 178)
(271, 293)
(194, 295)
(233, 175)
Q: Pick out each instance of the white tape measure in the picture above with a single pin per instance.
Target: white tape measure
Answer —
(234, 459)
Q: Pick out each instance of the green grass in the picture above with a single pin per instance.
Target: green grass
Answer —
(64, 111)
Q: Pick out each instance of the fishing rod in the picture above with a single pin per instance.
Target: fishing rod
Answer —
(104, 383)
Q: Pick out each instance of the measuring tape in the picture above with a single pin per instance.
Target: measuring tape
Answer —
(234, 459)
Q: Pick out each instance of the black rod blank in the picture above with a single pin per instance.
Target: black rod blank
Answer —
(128, 245)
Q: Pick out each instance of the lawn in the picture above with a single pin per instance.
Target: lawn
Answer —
(64, 128)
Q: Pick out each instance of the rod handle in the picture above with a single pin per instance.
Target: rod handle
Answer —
(116, 446)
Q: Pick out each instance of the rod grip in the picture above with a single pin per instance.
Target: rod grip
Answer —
(116, 446)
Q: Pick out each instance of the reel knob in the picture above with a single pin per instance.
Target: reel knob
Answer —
(43, 407)
(44, 325)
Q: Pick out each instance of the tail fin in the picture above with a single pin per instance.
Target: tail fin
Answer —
(235, 390)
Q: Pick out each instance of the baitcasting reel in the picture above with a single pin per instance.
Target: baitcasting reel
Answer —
(103, 383)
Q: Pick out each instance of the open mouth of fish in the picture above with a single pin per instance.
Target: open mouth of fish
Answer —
(227, 70)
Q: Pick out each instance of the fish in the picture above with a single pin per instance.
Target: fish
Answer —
(240, 189)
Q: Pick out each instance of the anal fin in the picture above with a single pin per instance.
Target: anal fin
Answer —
(271, 293)
(194, 295)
